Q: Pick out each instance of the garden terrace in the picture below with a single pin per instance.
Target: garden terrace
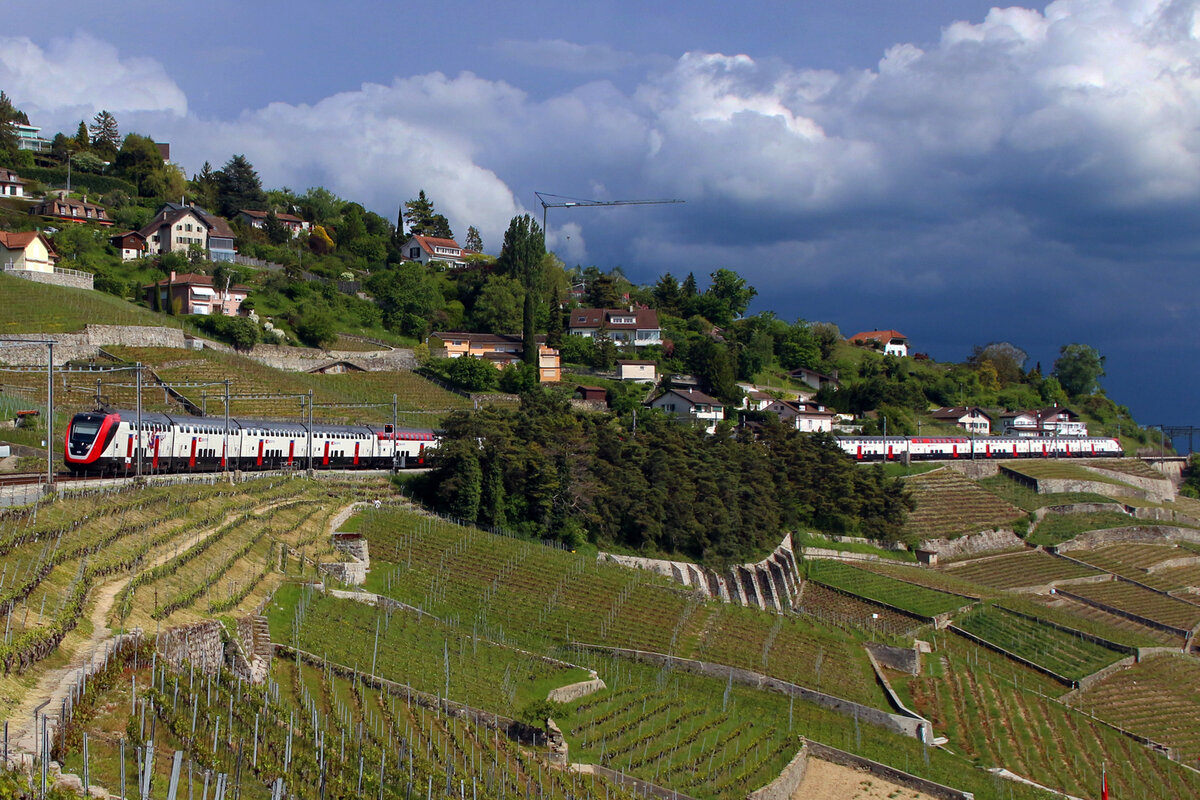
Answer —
(1028, 499)
(1131, 558)
(1156, 698)
(843, 610)
(541, 597)
(997, 713)
(1143, 602)
(1094, 620)
(1026, 569)
(910, 597)
(1065, 654)
(1187, 505)
(948, 504)
(1058, 528)
(1061, 470)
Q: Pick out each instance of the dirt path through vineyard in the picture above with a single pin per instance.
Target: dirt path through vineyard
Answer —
(55, 684)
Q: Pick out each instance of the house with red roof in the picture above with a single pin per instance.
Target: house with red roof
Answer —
(802, 416)
(196, 294)
(426, 249)
(499, 349)
(893, 343)
(969, 418)
(635, 326)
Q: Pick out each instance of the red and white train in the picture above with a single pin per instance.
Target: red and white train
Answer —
(108, 442)
(941, 448)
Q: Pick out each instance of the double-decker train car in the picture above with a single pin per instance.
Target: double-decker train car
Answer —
(108, 442)
(926, 448)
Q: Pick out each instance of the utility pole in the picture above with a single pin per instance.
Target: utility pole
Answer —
(225, 444)
(549, 201)
(138, 446)
(310, 439)
(50, 415)
(395, 434)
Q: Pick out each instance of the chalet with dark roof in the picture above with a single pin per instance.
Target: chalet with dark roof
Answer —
(258, 219)
(636, 326)
(11, 184)
(176, 227)
(68, 209)
(692, 406)
(802, 416)
(1053, 421)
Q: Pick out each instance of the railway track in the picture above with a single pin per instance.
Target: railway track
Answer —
(28, 478)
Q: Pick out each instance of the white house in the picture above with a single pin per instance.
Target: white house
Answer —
(635, 326)
(425, 249)
(691, 406)
(973, 418)
(176, 227)
(811, 377)
(894, 343)
(29, 250)
(802, 416)
(638, 371)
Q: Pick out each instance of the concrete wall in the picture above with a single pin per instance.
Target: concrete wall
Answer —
(302, 359)
(1079, 508)
(974, 469)
(904, 659)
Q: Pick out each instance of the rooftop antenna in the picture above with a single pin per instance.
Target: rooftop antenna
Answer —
(549, 201)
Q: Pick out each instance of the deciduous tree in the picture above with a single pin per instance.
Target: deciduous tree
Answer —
(1079, 368)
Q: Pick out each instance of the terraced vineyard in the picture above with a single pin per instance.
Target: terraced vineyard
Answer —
(508, 589)
(1058, 528)
(1062, 653)
(1026, 498)
(415, 650)
(1156, 698)
(30, 307)
(1143, 602)
(998, 713)
(906, 596)
(325, 733)
(1135, 467)
(1100, 622)
(1030, 568)
(949, 504)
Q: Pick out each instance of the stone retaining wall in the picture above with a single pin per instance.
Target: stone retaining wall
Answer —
(1186, 634)
(974, 543)
(200, 644)
(903, 659)
(74, 279)
(1079, 508)
(1160, 490)
(975, 469)
(1144, 534)
(574, 691)
(772, 584)
(788, 781)
(895, 723)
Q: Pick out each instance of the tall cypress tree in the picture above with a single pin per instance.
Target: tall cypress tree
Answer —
(521, 257)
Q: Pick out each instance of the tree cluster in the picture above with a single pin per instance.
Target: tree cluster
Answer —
(548, 471)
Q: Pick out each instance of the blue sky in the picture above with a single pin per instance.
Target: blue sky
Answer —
(960, 173)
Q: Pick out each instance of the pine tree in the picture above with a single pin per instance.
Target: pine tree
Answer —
(105, 134)
(239, 187)
(9, 117)
(417, 214)
(474, 240)
(82, 140)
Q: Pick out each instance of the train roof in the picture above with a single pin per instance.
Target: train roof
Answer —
(250, 423)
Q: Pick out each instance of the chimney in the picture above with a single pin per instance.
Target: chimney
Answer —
(172, 275)
(85, 198)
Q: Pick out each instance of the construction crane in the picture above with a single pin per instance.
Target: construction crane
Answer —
(549, 201)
